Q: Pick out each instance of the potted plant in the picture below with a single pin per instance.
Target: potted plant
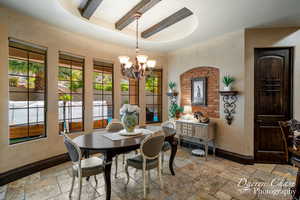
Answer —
(175, 111)
(129, 115)
(13, 82)
(172, 87)
(228, 80)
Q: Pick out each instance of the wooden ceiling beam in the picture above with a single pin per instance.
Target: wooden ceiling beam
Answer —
(172, 19)
(141, 7)
(89, 8)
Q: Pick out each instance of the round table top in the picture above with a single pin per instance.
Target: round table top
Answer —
(97, 141)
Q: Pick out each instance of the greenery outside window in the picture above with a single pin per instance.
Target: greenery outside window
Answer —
(129, 91)
(71, 93)
(103, 108)
(154, 96)
(27, 91)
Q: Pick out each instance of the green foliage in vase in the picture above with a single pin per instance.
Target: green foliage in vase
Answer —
(227, 80)
(172, 85)
(175, 108)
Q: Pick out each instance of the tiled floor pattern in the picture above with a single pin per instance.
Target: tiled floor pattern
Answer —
(196, 179)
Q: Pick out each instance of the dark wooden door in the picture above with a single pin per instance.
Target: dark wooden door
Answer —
(273, 102)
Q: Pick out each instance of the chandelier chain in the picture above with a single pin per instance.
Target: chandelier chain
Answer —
(137, 34)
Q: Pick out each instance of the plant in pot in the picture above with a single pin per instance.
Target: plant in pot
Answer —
(228, 80)
(172, 87)
(175, 111)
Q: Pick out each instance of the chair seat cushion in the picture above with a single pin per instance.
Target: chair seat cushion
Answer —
(166, 146)
(137, 162)
(89, 167)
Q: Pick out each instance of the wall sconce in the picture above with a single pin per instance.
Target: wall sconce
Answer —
(229, 100)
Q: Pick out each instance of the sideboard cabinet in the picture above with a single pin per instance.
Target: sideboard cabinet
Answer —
(197, 132)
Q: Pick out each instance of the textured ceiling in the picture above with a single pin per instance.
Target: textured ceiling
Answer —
(211, 18)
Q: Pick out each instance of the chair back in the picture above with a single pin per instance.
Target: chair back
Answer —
(168, 127)
(73, 149)
(151, 146)
(114, 126)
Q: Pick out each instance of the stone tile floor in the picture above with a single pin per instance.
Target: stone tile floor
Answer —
(196, 179)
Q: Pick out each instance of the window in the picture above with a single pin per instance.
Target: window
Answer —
(71, 93)
(27, 91)
(103, 94)
(129, 91)
(154, 96)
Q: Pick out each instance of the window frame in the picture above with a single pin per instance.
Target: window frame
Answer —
(70, 58)
(107, 66)
(35, 49)
(159, 106)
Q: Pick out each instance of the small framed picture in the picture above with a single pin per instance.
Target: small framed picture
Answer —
(199, 94)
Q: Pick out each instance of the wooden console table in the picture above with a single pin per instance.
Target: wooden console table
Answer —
(201, 132)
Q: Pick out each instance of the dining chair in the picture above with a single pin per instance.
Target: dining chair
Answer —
(149, 158)
(82, 168)
(115, 125)
(168, 128)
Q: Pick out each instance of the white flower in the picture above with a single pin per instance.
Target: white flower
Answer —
(129, 108)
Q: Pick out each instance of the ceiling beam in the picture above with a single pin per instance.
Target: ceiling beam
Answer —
(89, 8)
(172, 19)
(141, 7)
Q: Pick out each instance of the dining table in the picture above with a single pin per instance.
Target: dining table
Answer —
(99, 142)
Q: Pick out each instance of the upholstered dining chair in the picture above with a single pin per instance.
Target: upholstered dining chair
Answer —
(115, 125)
(149, 157)
(168, 127)
(82, 168)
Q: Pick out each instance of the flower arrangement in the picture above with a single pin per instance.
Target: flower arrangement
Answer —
(129, 116)
(129, 109)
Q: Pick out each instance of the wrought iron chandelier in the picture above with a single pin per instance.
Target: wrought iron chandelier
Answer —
(136, 70)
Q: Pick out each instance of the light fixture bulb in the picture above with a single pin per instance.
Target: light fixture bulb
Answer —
(151, 63)
(123, 59)
(142, 58)
(128, 65)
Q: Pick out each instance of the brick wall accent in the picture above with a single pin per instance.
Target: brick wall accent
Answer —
(212, 109)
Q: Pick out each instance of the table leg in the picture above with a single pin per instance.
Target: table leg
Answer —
(107, 174)
(296, 189)
(173, 142)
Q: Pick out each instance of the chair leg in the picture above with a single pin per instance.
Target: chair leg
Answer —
(159, 172)
(72, 186)
(80, 187)
(96, 180)
(127, 173)
(162, 163)
(144, 176)
(116, 164)
(149, 180)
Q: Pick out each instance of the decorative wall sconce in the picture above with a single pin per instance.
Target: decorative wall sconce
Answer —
(229, 100)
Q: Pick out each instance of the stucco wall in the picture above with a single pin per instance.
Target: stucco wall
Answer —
(227, 54)
(25, 28)
(272, 37)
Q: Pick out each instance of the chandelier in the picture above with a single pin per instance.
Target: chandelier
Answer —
(137, 69)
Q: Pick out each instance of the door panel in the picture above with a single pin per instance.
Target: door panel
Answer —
(273, 95)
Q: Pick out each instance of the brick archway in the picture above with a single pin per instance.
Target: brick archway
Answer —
(212, 74)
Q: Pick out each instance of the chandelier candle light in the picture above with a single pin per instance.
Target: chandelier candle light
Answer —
(136, 70)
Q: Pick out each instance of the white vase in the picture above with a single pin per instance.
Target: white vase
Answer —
(227, 88)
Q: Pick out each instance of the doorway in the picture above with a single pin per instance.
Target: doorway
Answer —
(273, 82)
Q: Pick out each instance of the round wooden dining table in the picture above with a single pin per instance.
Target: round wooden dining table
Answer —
(97, 142)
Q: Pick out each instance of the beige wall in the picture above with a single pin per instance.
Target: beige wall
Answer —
(227, 54)
(31, 30)
(233, 53)
(275, 37)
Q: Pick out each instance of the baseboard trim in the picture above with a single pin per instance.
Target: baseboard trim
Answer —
(29, 169)
(32, 168)
(248, 160)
